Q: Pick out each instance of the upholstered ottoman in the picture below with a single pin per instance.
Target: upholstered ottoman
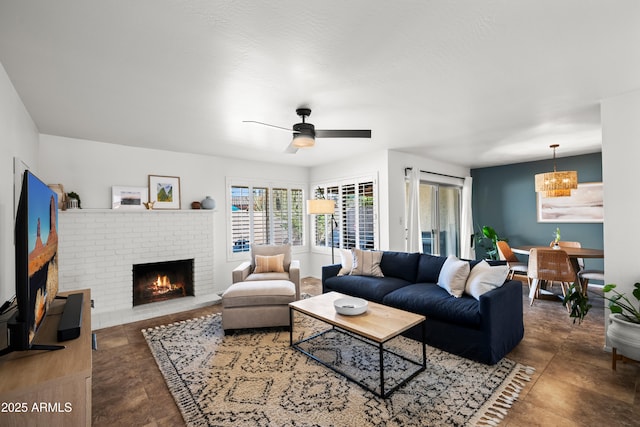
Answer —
(257, 304)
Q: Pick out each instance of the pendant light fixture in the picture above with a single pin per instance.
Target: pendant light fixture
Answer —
(556, 183)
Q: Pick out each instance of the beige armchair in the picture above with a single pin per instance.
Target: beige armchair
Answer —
(262, 289)
(246, 272)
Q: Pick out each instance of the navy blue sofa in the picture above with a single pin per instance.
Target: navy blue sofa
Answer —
(484, 330)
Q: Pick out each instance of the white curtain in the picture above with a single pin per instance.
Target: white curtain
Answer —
(466, 222)
(414, 234)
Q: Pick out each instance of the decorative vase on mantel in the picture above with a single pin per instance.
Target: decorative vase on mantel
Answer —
(624, 336)
(208, 203)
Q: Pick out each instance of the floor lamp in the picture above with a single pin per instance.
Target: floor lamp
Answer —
(324, 207)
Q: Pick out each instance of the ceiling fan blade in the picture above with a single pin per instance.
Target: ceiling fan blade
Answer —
(324, 133)
(267, 124)
(291, 149)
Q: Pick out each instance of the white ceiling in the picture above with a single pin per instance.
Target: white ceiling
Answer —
(476, 83)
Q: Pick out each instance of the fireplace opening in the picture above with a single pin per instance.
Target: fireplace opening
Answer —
(161, 281)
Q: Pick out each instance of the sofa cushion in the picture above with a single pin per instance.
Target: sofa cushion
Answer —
(400, 264)
(484, 278)
(266, 276)
(429, 267)
(367, 287)
(366, 263)
(434, 302)
(453, 276)
(265, 292)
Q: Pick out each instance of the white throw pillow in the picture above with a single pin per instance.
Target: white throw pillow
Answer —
(346, 259)
(453, 276)
(484, 278)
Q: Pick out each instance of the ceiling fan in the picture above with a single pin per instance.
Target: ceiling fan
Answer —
(305, 134)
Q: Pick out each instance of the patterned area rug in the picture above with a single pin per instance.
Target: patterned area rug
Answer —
(253, 378)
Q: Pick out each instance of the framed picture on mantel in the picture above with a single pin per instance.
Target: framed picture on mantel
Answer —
(584, 205)
(128, 198)
(164, 191)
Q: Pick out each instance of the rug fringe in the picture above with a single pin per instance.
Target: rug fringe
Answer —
(497, 409)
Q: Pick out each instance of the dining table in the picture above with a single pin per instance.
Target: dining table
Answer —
(573, 253)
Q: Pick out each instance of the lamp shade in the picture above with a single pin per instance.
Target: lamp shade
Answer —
(320, 206)
(301, 140)
(556, 183)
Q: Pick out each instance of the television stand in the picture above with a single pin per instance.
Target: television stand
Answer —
(53, 386)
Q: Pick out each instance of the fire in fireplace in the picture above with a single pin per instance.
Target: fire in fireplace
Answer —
(161, 281)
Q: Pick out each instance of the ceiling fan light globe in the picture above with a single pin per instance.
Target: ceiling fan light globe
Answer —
(303, 141)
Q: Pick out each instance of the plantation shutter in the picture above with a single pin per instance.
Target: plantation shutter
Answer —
(260, 216)
(280, 206)
(348, 208)
(240, 219)
(333, 193)
(297, 218)
(355, 215)
(366, 220)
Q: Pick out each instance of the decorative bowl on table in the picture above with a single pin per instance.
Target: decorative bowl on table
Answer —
(350, 306)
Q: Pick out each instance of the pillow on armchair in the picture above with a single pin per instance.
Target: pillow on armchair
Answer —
(269, 264)
(271, 250)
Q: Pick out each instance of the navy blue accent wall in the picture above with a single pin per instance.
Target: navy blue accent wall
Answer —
(504, 198)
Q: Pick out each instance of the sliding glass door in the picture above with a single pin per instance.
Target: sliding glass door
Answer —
(440, 218)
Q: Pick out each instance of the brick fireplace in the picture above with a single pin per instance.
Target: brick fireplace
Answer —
(98, 248)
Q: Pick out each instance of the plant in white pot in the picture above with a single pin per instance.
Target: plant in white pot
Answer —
(624, 322)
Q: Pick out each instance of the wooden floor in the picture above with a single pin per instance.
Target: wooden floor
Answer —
(573, 385)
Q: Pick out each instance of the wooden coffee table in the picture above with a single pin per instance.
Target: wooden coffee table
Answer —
(377, 326)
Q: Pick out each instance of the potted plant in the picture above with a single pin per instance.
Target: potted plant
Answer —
(556, 239)
(577, 302)
(624, 322)
(487, 239)
(73, 200)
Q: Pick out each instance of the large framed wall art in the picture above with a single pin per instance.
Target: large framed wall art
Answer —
(584, 205)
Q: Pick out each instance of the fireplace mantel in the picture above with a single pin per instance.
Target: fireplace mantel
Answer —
(98, 248)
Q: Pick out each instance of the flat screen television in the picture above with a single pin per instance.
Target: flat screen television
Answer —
(36, 258)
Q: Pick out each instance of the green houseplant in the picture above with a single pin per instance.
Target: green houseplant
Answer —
(577, 302)
(487, 238)
(579, 305)
(620, 304)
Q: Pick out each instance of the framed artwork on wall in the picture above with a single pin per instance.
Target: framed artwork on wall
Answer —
(129, 198)
(164, 191)
(584, 205)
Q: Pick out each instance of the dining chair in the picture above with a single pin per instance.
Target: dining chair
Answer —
(515, 265)
(589, 274)
(583, 274)
(571, 244)
(549, 265)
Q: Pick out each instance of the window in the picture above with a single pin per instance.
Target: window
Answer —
(440, 207)
(355, 216)
(265, 215)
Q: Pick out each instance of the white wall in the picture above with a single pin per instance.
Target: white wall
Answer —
(620, 156)
(91, 168)
(18, 138)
